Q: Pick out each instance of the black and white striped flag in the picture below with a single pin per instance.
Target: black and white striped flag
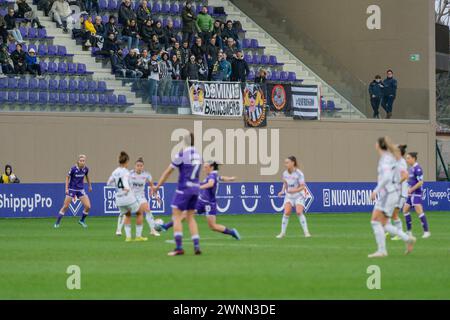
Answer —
(306, 102)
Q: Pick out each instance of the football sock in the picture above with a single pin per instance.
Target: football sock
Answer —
(196, 241)
(284, 223)
(424, 222)
(398, 224)
(60, 216)
(394, 231)
(303, 223)
(139, 228)
(128, 230)
(83, 216)
(379, 236)
(228, 231)
(178, 236)
(120, 221)
(168, 225)
(408, 221)
(150, 220)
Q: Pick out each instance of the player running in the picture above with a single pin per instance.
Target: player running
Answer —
(138, 179)
(388, 191)
(188, 162)
(415, 183)
(207, 203)
(295, 195)
(125, 198)
(74, 189)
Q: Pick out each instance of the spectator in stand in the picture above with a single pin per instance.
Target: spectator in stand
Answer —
(185, 54)
(155, 46)
(9, 176)
(144, 64)
(132, 63)
(230, 49)
(3, 30)
(18, 57)
(143, 13)
(5, 60)
(99, 27)
(198, 49)
(202, 69)
(154, 75)
(110, 46)
(170, 35)
(62, 13)
(240, 69)
(215, 74)
(111, 27)
(225, 67)
(261, 78)
(45, 5)
(376, 94)
(126, 13)
(91, 6)
(165, 82)
(217, 32)
(176, 76)
(176, 51)
(230, 32)
(212, 52)
(24, 11)
(146, 32)
(90, 32)
(204, 25)
(192, 69)
(10, 21)
(130, 34)
(118, 65)
(188, 18)
(33, 65)
(159, 31)
(389, 93)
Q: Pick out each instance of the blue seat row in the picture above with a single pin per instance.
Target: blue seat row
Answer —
(54, 85)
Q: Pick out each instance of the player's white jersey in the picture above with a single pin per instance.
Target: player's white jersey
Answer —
(120, 179)
(402, 166)
(138, 182)
(387, 181)
(293, 180)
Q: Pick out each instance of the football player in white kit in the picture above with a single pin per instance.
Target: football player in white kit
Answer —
(138, 180)
(126, 200)
(295, 195)
(388, 192)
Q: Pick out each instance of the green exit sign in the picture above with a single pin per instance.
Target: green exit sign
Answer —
(414, 57)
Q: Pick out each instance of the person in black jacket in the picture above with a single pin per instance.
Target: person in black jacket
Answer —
(188, 18)
(24, 11)
(119, 67)
(146, 32)
(170, 35)
(230, 32)
(212, 51)
(110, 46)
(198, 49)
(143, 13)
(159, 31)
(130, 34)
(18, 57)
(126, 12)
(192, 69)
(389, 93)
(3, 31)
(111, 27)
(10, 23)
(240, 69)
(132, 63)
(376, 94)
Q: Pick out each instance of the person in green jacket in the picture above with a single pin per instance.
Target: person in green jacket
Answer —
(204, 25)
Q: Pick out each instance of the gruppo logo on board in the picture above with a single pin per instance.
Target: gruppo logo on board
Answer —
(435, 197)
(277, 202)
(346, 197)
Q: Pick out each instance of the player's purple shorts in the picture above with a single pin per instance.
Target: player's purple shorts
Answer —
(76, 193)
(414, 199)
(206, 207)
(184, 200)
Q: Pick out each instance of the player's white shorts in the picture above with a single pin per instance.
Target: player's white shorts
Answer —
(295, 201)
(141, 199)
(387, 203)
(401, 202)
(133, 208)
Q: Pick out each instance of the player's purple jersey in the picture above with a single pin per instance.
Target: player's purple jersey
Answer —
(76, 177)
(209, 195)
(188, 162)
(415, 175)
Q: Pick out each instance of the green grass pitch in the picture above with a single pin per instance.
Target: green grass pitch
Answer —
(330, 265)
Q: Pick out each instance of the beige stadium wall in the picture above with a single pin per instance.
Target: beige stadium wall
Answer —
(42, 147)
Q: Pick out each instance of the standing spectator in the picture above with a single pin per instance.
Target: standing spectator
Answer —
(212, 52)
(204, 25)
(230, 32)
(159, 31)
(18, 57)
(165, 82)
(170, 35)
(9, 176)
(225, 67)
(62, 13)
(188, 18)
(261, 78)
(132, 63)
(192, 69)
(155, 46)
(389, 93)
(176, 76)
(240, 69)
(154, 75)
(126, 13)
(5, 60)
(143, 13)
(130, 35)
(144, 64)
(33, 66)
(10, 21)
(24, 11)
(146, 32)
(3, 30)
(217, 32)
(198, 49)
(176, 51)
(202, 69)
(185, 53)
(376, 94)
(111, 27)
(215, 73)
(230, 49)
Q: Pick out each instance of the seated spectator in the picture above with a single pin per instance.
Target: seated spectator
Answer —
(159, 31)
(204, 25)
(146, 32)
(91, 6)
(24, 11)
(240, 69)
(118, 65)
(170, 35)
(132, 63)
(3, 30)
(225, 68)
(155, 46)
(5, 61)
(99, 27)
(192, 69)
(18, 57)
(62, 13)
(198, 49)
(261, 78)
(188, 19)
(165, 80)
(130, 35)
(230, 32)
(217, 32)
(111, 27)
(230, 49)
(126, 13)
(45, 5)
(177, 84)
(10, 21)
(212, 51)
(90, 32)
(154, 75)
(9, 176)
(143, 13)
(110, 46)
(202, 69)
(144, 64)
(33, 66)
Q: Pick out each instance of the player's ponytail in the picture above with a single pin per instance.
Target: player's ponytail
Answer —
(189, 139)
(413, 155)
(123, 157)
(215, 165)
(386, 144)
(140, 160)
(402, 148)
(294, 160)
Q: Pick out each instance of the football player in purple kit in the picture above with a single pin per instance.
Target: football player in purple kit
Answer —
(188, 161)
(415, 183)
(207, 203)
(75, 190)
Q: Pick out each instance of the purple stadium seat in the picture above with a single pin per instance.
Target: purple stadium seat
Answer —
(105, 19)
(11, 47)
(3, 98)
(71, 68)
(246, 43)
(23, 97)
(12, 96)
(102, 100)
(251, 75)
(43, 84)
(269, 76)
(32, 33)
(44, 66)
(23, 32)
(112, 100)
(92, 98)
(103, 5)
(254, 44)
(264, 59)
(73, 98)
(156, 8)
(62, 51)
(42, 33)
(12, 83)
(275, 76)
(81, 69)
(174, 101)
(52, 50)
(82, 98)
(256, 59)
(112, 5)
(92, 86)
(62, 85)
(121, 100)
(22, 84)
(284, 76)
(176, 24)
(43, 97)
(164, 22)
(273, 60)
(292, 76)
(3, 83)
(62, 67)
(53, 85)
(33, 84)
(82, 85)
(101, 86)
(63, 98)
(24, 47)
(165, 8)
(42, 50)
(330, 105)
(73, 85)
(174, 9)
(53, 98)
(248, 58)
(155, 101)
(184, 101)
(33, 97)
